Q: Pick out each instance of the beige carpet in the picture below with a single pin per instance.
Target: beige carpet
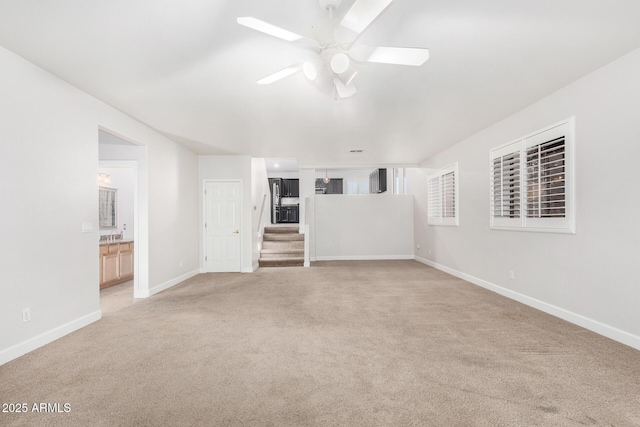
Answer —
(390, 343)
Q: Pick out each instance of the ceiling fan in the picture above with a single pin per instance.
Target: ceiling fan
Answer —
(336, 49)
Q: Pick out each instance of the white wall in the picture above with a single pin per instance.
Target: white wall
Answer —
(123, 180)
(589, 278)
(286, 175)
(260, 199)
(365, 226)
(48, 170)
(307, 207)
(230, 168)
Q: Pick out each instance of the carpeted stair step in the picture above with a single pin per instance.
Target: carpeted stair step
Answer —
(283, 245)
(281, 230)
(282, 237)
(282, 262)
(291, 253)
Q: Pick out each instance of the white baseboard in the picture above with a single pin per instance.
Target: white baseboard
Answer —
(577, 319)
(166, 285)
(251, 269)
(45, 338)
(362, 257)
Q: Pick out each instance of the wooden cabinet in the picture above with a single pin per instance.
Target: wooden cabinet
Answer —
(290, 188)
(109, 268)
(125, 261)
(116, 263)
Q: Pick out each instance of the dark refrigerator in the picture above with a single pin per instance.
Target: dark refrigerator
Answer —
(275, 184)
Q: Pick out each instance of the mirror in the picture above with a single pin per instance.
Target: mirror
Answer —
(108, 206)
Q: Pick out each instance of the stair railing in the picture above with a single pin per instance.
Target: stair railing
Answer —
(264, 201)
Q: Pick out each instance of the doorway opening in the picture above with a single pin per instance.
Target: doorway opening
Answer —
(123, 246)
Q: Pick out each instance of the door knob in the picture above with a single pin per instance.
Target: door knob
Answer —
(236, 232)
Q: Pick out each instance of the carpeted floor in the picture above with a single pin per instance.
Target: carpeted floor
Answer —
(391, 343)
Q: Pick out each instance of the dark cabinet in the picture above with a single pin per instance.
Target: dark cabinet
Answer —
(289, 214)
(290, 188)
(334, 186)
(378, 181)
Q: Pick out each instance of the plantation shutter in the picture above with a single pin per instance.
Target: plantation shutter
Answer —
(547, 179)
(443, 196)
(506, 185)
(449, 195)
(435, 191)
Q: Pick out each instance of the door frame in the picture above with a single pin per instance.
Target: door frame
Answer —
(203, 234)
(140, 275)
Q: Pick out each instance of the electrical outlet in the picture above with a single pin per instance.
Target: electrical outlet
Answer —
(512, 275)
(418, 246)
(180, 264)
(26, 315)
(429, 251)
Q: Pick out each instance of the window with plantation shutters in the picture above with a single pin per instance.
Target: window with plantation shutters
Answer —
(546, 181)
(531, 182)
(443, 196)
(505, 183)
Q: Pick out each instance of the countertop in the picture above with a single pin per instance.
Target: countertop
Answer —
(106, 242)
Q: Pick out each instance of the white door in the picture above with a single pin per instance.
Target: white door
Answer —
(222, 226)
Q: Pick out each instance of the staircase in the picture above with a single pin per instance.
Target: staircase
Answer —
(282, 247)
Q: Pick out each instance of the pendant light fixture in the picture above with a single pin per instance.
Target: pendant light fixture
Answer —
(326, 178)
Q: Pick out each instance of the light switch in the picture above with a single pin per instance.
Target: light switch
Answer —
(87, 227)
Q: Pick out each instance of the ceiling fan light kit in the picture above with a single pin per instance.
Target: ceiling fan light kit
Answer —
(333, 68)
(339, 63)
(348, 76)
(310, 70)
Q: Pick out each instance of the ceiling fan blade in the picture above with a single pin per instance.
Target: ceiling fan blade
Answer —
(362, 14)
(275, 31)
(265, 27)
(414, 56)
(279, 75)
(343, 91)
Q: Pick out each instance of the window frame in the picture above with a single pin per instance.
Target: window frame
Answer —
(453, 221)
(521, 146)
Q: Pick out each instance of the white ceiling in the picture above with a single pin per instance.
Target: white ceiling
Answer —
(187, 69)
